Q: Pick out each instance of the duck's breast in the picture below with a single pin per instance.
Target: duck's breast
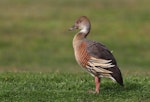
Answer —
(81, 54)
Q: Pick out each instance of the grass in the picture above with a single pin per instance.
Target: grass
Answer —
(36, 49)
(65, 87)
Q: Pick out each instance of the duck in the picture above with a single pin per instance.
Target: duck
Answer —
(93, 56)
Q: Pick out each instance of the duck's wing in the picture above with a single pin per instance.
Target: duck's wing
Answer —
(102, 61)
(100, 51)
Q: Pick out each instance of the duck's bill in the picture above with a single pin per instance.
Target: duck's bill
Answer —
(72, 28)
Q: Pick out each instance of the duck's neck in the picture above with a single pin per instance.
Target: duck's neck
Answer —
(85, 30)
(78, 39)
(81, 36)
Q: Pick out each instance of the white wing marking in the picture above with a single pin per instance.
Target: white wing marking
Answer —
(99, 60)
(100, 63)
(101, 70)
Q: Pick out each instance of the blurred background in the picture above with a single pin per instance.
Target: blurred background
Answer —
(34, 34)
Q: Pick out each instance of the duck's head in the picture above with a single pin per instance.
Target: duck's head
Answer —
(83, 24)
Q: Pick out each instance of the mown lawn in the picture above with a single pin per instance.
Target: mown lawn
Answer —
(65, 87)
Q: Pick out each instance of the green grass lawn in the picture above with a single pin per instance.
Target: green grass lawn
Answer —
(58, 87)
(34, 39)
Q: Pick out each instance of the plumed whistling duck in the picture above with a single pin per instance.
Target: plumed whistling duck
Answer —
(94, 56)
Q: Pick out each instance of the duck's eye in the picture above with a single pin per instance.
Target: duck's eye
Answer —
(79, 21)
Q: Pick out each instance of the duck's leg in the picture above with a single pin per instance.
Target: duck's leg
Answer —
(97, 84)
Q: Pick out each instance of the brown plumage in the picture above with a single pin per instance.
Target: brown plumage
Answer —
(94, 56)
